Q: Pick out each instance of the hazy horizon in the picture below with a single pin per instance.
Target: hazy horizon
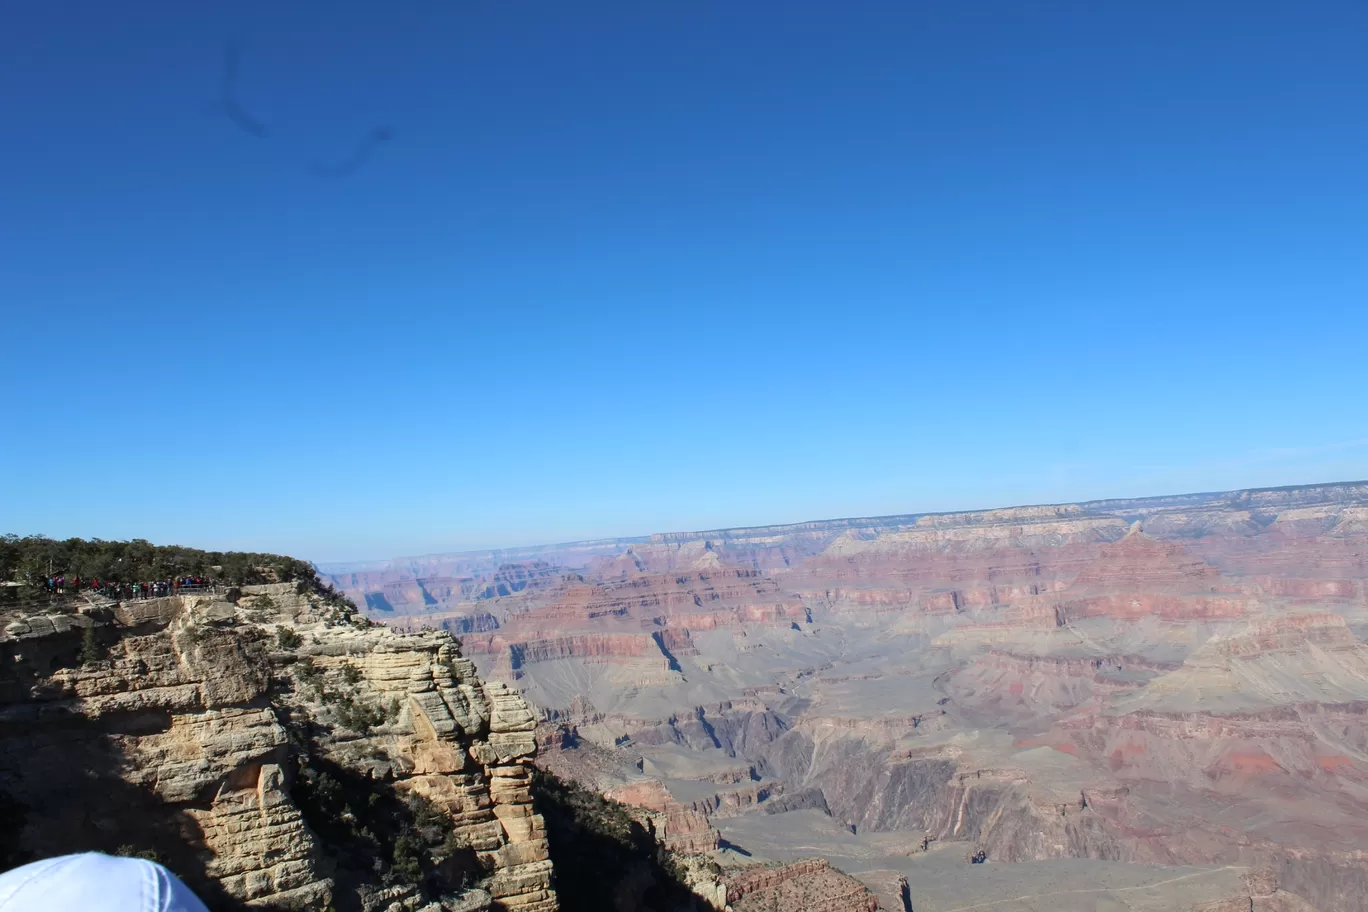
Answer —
(645, 535)
(332, 564)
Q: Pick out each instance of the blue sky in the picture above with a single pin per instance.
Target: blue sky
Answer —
(629, 267)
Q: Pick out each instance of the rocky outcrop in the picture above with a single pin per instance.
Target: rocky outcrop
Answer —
(811, 886)
(224, 737)
(588, 646)
(1261, 894)
(681, 829)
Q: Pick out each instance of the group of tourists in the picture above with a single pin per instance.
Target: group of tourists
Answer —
(61, 584)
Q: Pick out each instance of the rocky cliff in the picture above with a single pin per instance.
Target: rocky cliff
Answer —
(274, 750)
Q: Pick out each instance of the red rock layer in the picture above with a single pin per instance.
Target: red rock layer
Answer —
(804, 886)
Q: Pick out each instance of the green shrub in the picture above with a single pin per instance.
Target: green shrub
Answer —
(358, 715)
(406, 864)
(91, 650)
(308, 672)
(379, 836)
(288, 639)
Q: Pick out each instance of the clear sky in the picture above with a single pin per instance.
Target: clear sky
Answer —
(627, 267)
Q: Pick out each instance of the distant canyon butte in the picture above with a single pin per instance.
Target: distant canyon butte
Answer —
(1150, 702)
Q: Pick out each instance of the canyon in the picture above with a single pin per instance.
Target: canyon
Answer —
(279, 751)
(1132, 704)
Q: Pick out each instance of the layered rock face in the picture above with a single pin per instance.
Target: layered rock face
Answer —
(810, 885)
(681, 829)
(223, 737)
(1174, 681)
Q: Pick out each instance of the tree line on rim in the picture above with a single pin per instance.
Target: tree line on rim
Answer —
(32, 559)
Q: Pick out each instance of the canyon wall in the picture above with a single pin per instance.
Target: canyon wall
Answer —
(1174, 682)
(272, 749)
